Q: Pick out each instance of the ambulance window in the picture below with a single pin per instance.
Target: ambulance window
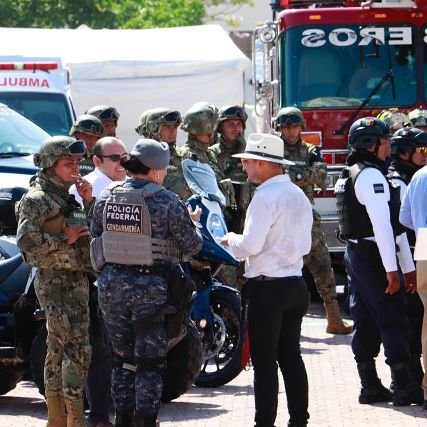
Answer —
(50, 111)
(330, 67)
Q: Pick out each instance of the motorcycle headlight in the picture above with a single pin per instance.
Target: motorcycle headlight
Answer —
(216, 226)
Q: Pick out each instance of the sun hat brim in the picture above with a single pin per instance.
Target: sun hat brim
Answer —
(265, 157)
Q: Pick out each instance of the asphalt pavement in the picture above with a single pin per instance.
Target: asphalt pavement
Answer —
(334, 389)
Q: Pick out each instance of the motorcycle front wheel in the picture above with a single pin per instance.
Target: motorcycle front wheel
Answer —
(221, 341)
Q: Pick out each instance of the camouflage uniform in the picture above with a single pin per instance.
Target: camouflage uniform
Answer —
(309, 171)
(127, 294)
(62, 289)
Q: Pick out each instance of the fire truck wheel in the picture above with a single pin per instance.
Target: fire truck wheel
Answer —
(37, 358)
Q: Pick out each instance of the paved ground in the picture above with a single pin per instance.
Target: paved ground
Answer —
(334, 387)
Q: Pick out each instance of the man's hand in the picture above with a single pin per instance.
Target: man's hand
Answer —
(74, 232)
(224, 240)
(84, 188)
(393, 279)
(411, 282)
(196, 214)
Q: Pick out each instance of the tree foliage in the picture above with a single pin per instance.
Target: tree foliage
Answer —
(106, 13)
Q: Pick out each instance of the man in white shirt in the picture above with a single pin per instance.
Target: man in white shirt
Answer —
(276, 236)
(106, 158)
(413, 215)
(376, 256)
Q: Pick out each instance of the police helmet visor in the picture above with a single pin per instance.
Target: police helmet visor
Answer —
(288, 120)
(174, 117)
(234, 111)
(77, 148)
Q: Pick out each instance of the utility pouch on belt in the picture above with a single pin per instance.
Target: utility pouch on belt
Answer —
(180, 291)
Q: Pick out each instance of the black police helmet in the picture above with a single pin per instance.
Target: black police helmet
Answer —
(364, 133)
(406, 140)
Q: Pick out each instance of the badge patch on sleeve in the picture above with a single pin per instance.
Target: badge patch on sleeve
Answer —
(378, 188)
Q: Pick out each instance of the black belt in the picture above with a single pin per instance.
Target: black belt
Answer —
(263, 278)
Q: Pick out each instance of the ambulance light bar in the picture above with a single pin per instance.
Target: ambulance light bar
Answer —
(29, 66)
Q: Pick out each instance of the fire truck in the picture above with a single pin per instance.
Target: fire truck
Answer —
(338, 61)
(39, 89)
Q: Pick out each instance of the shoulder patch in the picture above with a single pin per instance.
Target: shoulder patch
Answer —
(378, 188)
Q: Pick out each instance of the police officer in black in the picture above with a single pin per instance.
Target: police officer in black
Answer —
(408, 154)
(376, 256)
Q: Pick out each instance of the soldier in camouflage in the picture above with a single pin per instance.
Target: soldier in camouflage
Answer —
(141, 129)
(133, 286)
(52, 235)
(88, 129)
(309, 171)
(109, 117)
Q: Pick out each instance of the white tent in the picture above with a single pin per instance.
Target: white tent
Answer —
(134, 70)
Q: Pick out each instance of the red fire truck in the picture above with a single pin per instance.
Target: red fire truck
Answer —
(338, 61)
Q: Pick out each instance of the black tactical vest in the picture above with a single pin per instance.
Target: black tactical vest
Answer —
(353, 219)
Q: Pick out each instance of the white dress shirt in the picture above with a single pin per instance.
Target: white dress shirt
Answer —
(99, 183)
(277, 232)
(373, 192)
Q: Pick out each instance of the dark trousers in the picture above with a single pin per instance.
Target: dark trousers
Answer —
(378, 317)
(98, 381)
(275, 312)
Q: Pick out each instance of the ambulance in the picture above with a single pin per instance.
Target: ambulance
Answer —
(39, 89)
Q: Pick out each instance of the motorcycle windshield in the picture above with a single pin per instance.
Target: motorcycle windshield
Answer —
(201, 179)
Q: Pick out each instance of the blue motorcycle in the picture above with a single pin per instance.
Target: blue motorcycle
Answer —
(216, 309)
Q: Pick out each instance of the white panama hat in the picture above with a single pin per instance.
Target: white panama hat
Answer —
(264, 146)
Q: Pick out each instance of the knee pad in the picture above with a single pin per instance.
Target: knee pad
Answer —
(155, 364)
(124, 363)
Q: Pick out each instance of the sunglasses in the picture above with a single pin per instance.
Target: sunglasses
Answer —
(172, 117)
(289, 119)
(234, 112)
(77, 148)
(112, 157)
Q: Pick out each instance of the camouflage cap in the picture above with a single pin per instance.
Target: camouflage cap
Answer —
(56, 148)
(289, 116)
(86, 123)
(200, 119)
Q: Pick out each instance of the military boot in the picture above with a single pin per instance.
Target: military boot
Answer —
(56, 411)
(146, 421)
(406, 389)
(336, 324)
(125, 418)
(372, 390)
(417, 369)
(75, 413)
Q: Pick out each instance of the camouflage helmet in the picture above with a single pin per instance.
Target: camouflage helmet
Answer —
(86, 123)
(141, 129)
(393, 118)
(229, 112)
(364, 133)
(103, 112)
(407, 140)
(200, 119)
(58, 147)
(160, 116)
(289, 116)
(418, 117)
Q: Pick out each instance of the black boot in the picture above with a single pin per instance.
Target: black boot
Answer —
(146, 421)
(406, 389)
(125, 418)
(417, 369)
(372, 390)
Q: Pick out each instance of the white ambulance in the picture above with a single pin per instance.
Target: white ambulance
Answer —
(39, 89)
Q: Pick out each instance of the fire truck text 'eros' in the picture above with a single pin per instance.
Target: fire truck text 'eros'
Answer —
(317, 37)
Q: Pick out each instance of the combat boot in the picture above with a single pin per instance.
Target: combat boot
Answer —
(56, 411)
(336, 324)
(146, 421)
(406, 389)
(125, 418)
(372, 390)
(75, 413)
(417, 369)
